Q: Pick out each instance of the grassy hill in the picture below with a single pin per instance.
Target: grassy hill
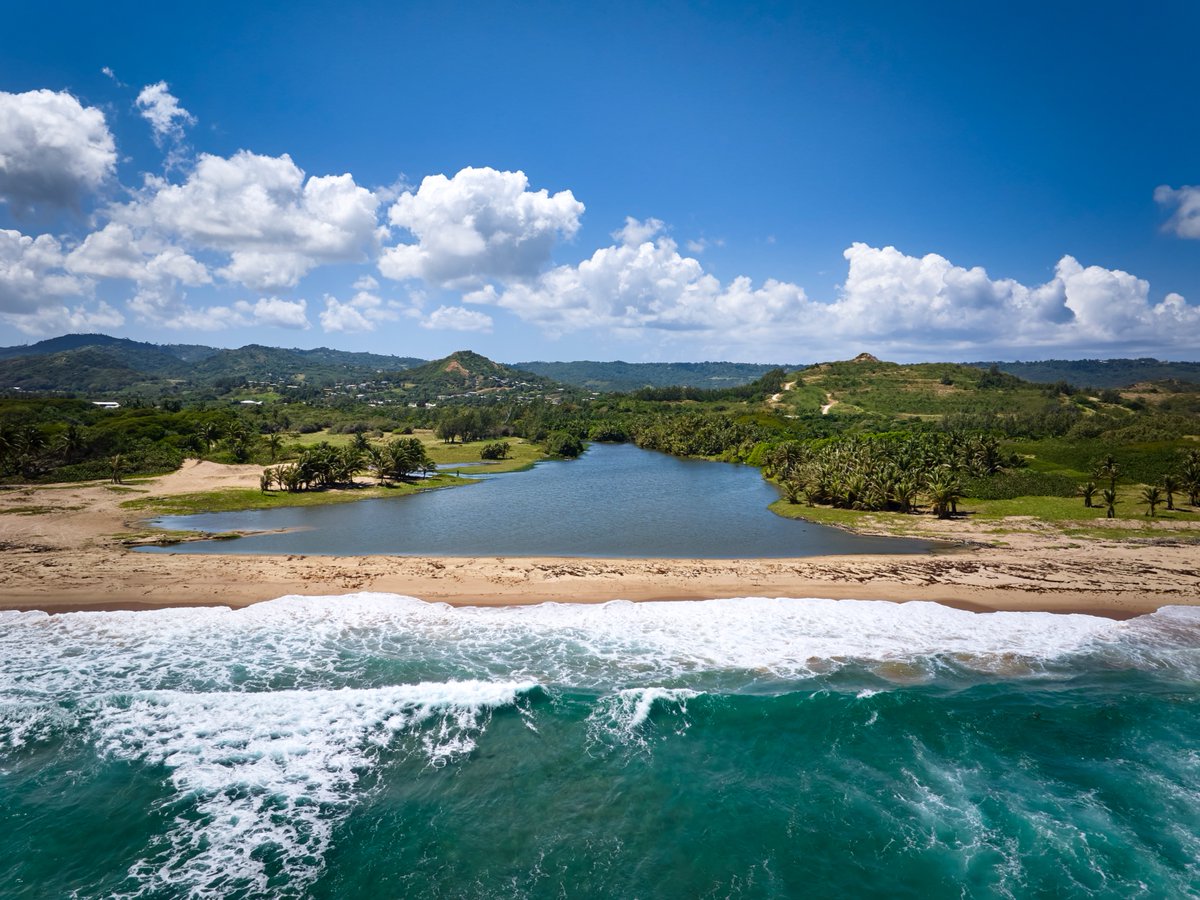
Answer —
(866, 385)
(465, 372)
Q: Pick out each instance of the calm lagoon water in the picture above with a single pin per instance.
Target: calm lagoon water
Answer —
(616, 500)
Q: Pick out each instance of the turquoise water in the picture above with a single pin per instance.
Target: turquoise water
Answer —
(377, 746)
(616, 500)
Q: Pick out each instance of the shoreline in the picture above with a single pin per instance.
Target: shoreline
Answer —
(68, 555)
(987, 580)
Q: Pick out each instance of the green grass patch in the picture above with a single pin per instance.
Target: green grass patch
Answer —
(35, 510)
(1018, 515)
(1020, 483)
(1071, 509)
(899, 524)
(238, 499)
(456, 456)
(466, 457)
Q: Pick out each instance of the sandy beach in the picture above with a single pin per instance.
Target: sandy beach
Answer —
(61, 550)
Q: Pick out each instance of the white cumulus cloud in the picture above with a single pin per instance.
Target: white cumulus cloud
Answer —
(161, 305)
(274, 224)
(115, 252)
(60, 319)
(890, 301)
(638, 231)
(362, 312)
(31, 273)
(456, 318)
(480, 225)
(1185, 203)
(161, 109)
(903, 301)
(275, 312)
(53, 150)
(647, 285)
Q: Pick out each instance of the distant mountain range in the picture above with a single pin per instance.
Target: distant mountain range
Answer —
(101, 364)
(1099, 373)
(98, 363)
(622, 376)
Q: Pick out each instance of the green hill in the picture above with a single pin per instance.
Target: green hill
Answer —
(868, 386)
(1100, 373)
(98, 363)
(93, 370)
(464, 372)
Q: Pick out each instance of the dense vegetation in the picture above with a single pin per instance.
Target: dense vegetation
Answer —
(1100, 373)
(858, 435)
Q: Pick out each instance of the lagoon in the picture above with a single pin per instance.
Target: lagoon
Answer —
(614, 501)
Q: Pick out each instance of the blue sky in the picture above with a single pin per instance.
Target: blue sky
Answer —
(790, 182)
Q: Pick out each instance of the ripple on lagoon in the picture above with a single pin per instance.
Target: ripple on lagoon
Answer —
(615, 501)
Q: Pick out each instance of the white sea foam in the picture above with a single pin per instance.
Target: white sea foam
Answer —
(267, 776)
(321, 642)
(621, 718)
(267, 718)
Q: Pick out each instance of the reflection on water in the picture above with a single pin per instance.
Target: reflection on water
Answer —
(616, 500)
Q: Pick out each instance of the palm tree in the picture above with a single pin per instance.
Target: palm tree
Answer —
(72, 442)
(904, 494)
(274, 444)
(1088, 491)
(1189, 471)
(1110, 503)
(240, 440)
(1110, 469)
(1170, 485)
(944, 493)
(210, 433)
(1152, 496)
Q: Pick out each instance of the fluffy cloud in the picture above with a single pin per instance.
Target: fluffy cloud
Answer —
(456, 318)
(115, 252)
(362, 312)
(479, 225)
(631, 287)
(275, 312)
(637, 231)
(1185, 201)
(273, 223)
(165, 307)
(38, 296)
(162, 110)
(902, 300)
(31, 273)
(890, 301)
(60, 318)
(53, 150)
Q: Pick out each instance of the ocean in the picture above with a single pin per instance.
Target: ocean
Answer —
(372, 745)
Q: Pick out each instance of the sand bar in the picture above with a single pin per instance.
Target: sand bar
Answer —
(61, 554)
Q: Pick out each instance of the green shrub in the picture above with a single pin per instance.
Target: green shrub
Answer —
(495, 450)
(1024, 483)
(564, 444)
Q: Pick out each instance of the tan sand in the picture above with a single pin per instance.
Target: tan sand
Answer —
(68, 557)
